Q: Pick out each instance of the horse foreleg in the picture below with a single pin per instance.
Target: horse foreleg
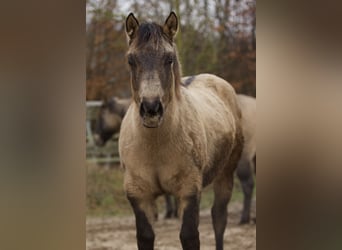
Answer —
(189, 211)
(245, 175)
(144, 211)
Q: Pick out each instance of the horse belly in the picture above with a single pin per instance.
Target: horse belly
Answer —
(218, 158)
(220, 129)
(218, 126)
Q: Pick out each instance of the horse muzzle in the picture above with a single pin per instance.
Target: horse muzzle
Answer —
(98, 140)
(151, 112)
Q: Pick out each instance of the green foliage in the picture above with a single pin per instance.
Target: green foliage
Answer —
(105, 195)
(208, 42)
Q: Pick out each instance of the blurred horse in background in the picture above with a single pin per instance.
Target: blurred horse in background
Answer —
(109, 119)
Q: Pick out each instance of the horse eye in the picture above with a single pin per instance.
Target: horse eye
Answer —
(169, 60)
(131, 61)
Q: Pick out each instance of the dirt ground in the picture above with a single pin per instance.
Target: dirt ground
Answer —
(114, 233)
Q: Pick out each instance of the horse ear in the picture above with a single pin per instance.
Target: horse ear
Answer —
(171, 25)
(132, 26)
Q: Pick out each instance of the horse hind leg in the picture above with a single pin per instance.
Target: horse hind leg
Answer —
(223, 187)
(175, 208)
(169, 207)
(222, 192)
(245, 175)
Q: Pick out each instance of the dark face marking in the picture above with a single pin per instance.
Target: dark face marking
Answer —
(152, 52)
(154, 67)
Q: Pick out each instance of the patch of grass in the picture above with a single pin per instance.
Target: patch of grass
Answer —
(105, 195)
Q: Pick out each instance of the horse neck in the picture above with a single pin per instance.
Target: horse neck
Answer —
(125, 103)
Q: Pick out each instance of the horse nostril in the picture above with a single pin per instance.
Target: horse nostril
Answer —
(151, 108)
(156, 107)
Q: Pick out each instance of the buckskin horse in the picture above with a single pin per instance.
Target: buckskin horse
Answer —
(176, 139)
(113, 109)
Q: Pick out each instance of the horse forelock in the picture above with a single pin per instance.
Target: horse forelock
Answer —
(149, 33)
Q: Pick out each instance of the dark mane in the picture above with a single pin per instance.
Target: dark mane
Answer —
(147, 32)
(188, 81)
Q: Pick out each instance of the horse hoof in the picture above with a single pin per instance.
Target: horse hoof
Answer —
(244, 221)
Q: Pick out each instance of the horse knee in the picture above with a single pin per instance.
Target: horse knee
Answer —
(244, 171)
(247, 187)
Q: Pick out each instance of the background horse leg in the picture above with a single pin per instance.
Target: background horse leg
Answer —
(144, 214)
(169, 206)
(175, 208)
(189, 210)
(245, 175)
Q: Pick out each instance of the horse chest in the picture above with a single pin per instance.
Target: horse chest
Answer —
(158, 159)
(166, 166)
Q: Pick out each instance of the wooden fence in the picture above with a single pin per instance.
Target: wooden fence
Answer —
(102, 155)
